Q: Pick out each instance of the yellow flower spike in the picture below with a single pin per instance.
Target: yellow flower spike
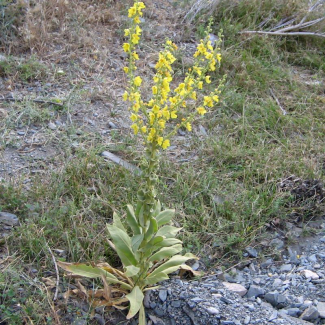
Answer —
(133, 117)
(201, 110)
(188, 126)
(126, 47)
(165, 144)
(135, 128)
(126, 69)
(154, 90)
(137, 81)
(173, 114)
(207, 79)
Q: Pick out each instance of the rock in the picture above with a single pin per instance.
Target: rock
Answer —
(310, 314)
(286, 268)
(51, 126)
(321, 309)
(8, 219)
(294, 312)
(163, 295)
(235, 287)
(252, 252)
(276, 299)
(310, 274)
(255, 291)
(277, 243)
(212, 310)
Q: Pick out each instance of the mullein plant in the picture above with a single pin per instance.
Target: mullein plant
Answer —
(144, 239)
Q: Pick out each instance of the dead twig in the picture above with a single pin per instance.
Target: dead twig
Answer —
(57, 273)
(284, 34)
(284, 112)
(40, 101)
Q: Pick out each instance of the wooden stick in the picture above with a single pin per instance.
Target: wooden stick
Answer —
(278, 102)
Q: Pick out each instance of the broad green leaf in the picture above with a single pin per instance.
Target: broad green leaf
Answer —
(153, 279)
(136, 298)
(117, 221)
(150, 230)
(131, 271)
(142, 316)
(122, 244)
(132, 220)
(141, 217)
(136, 242)
(91, 272)
(165, 252)
(168, 231)
(165, 216)
(169, 242)
(157, 209)
(174, 261)
(172, 269)
(154, 241)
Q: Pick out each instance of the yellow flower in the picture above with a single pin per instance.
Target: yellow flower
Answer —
(162, 123)
(200, 85)
(218, 57)
(125, 96)
(207, 79)
(126, 47)
(138, 30)
(136, 107)
(188, 126)
(155, 109)
(141, 5)
(133, 117)
(165, 144)
(193, 95)
(126, 69)
(154, 90)
(201, 110)
(216, 98)
(173, 114)
(137, 20)
(137, 81)
(208, 101)
(144, 129)
(160, 140)
(126, 32)
(135, 39)
(135, 128)
(132, 12)
(135, 55)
